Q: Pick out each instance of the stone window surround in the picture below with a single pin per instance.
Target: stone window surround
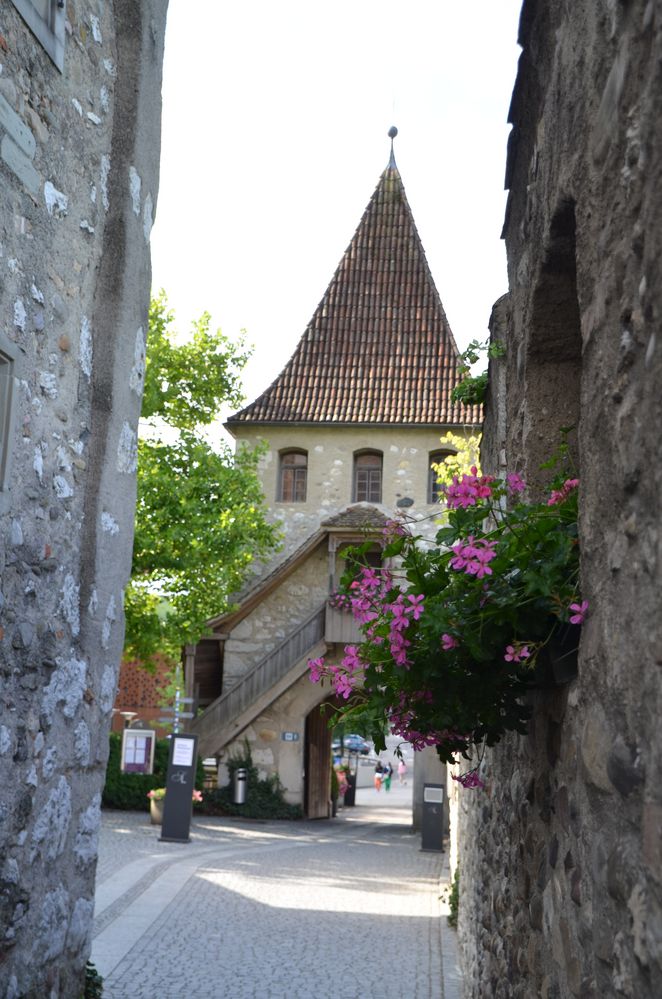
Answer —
(435, 458)
(367, 479)
(48, 31)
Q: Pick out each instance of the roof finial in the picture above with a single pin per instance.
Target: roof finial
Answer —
(392, 132)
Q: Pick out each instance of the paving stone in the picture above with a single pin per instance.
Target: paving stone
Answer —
(333, 910)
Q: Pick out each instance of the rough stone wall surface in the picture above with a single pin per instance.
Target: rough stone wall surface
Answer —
(561, 857)
(277, 616)
(78, 182)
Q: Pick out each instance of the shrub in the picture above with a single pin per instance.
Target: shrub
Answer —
(93, 983)
(454, 899)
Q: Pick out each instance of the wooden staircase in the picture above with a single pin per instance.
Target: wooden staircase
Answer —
(227, 716)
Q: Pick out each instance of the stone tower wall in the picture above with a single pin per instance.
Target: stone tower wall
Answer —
(561, 858)
(79, 154)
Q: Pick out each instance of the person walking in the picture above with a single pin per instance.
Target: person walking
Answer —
(402, 772)
(379, 773)
(387, 773)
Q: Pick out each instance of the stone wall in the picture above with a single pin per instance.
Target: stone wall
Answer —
(78, 180)
(561, 856)
(276, 616)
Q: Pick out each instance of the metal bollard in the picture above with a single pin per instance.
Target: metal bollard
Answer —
(239, 796)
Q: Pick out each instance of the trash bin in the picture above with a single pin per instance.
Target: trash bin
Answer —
(239, 795)
(432, 822)
(350, 793)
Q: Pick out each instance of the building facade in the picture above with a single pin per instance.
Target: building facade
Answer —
(352, 426)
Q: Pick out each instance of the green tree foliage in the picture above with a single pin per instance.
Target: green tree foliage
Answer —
(199, 518)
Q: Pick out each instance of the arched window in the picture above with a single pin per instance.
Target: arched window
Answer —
(367, 477)
(293, 476)
(434, 488)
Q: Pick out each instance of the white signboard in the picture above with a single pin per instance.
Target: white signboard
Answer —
(182, 753)
(433, 795)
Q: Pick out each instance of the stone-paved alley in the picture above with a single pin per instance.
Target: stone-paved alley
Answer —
(341, 909)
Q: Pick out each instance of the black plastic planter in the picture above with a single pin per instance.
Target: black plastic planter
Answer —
(557, 661)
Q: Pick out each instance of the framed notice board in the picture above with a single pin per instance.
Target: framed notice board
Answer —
(138, 750)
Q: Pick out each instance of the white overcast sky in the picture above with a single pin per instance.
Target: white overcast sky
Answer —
(275, 121)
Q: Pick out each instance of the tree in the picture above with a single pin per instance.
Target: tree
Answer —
(199, 516)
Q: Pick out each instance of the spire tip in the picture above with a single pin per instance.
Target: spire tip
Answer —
(392, 132)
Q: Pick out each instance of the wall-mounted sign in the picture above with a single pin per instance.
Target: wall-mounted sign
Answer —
(137, 750)
(289, 736)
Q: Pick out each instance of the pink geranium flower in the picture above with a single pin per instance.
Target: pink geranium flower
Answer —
(317, 669)
(558, 495)
(448, 642)
(579, 612)
(516, 653)
(470, 779)
(516, 483)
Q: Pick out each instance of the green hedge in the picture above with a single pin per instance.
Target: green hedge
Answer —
(129, 791)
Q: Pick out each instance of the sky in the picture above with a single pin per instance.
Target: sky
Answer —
(275, 122)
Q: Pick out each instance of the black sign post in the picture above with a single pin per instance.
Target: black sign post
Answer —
(432, 825)
(180, 782)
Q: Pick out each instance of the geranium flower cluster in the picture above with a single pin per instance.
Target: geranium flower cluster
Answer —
(559, 495)
(469, 779)
(345, 676)
(341, 601)
(343, 783)
(452, 637)
(468, 490)
(474, 556)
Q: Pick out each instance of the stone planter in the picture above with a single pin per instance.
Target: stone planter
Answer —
(156, 811)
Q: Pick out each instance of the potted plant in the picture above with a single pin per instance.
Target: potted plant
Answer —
(452, 638)
(156, 798)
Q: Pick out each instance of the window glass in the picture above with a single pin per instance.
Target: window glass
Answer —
(368, 477)
(434, 487)
(293, 478)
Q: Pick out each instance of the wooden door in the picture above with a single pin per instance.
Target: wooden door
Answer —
(318, 764)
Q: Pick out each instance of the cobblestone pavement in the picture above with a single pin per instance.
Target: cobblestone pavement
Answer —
(343, 909)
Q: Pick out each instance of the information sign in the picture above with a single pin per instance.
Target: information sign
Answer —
(180, 782)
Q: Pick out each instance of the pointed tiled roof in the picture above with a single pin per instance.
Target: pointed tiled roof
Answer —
(378, 349)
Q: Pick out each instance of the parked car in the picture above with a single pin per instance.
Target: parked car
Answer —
(352, 743)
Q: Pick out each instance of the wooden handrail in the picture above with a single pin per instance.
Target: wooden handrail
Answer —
(267, 672)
